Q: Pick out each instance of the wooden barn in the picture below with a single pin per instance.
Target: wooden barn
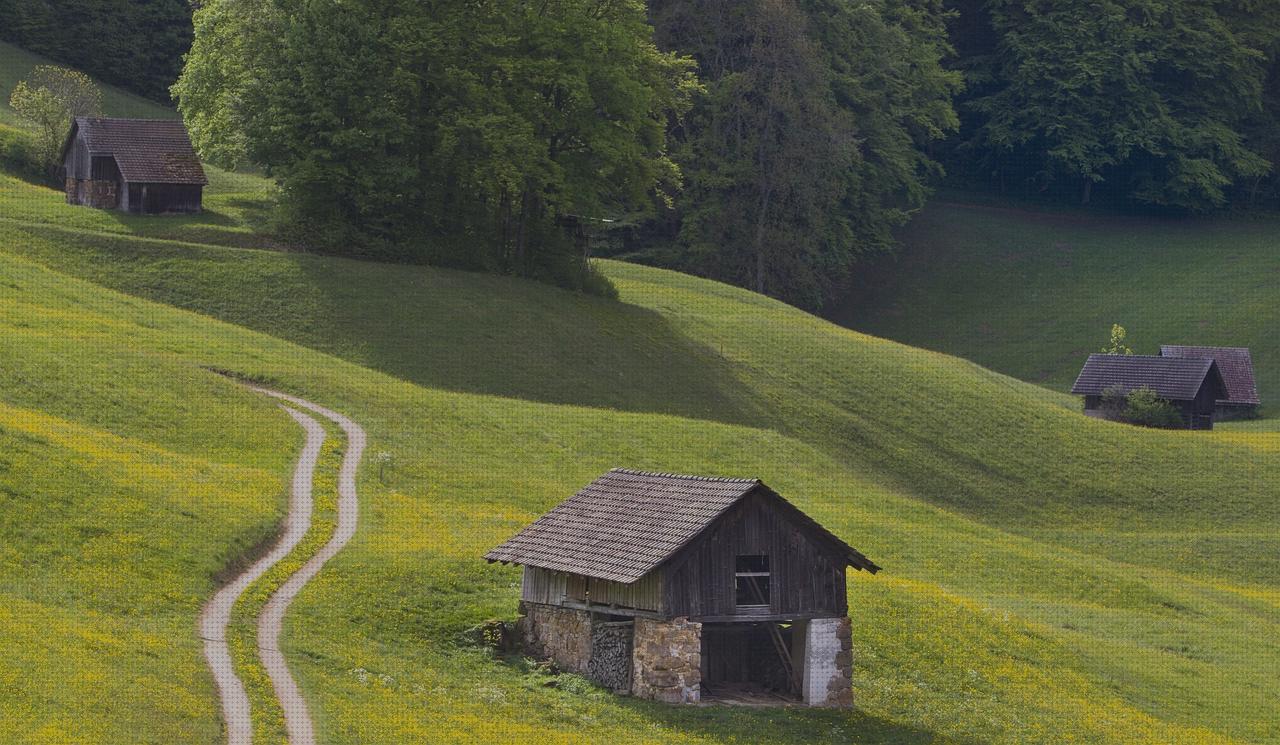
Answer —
(136, 165)
(1236, 366)
(686, 589)
(1191, 384)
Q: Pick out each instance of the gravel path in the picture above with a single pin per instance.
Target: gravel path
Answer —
(297, 717)
(217, 613)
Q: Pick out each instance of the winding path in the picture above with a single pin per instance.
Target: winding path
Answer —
(217, 613)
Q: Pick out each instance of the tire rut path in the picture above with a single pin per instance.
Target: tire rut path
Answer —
(217, 612)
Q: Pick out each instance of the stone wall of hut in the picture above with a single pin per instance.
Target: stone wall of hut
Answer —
(667, 664)
(561, 635)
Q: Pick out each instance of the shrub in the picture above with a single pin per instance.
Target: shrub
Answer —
(1114, 402)
(1146, 409)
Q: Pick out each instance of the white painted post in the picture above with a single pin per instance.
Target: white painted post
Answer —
(822, 644)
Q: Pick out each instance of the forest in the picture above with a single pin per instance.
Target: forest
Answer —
(773, 144)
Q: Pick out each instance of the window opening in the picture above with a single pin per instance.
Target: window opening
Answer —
(751, 580)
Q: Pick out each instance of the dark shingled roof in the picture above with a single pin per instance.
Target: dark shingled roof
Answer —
(154, 151)
(1173, 378)
(625, 523)
(1235, 364)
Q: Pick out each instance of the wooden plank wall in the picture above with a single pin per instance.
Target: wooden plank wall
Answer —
(643, 594)
(77, 162)
(806, 578)
(542, 586)
(554, 588)
(169, 198)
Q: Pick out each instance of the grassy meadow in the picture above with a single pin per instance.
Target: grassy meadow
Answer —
(1030, 293)
(1048, 578)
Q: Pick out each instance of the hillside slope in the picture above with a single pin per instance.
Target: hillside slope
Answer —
(16, 64)
(1031, 294)
(1048, 577)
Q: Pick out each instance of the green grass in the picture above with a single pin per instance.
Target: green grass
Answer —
(1032, 293)
(236, 205)
(236, 211)
(16, 64)
(1048, 577)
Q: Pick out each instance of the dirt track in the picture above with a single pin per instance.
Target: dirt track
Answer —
(217, 612)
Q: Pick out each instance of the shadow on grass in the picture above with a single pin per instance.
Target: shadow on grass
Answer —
(480, 333)
(447, 329)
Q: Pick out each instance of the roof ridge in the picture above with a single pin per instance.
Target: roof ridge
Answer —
(132, 118)
(1175, 360)
(666, 474)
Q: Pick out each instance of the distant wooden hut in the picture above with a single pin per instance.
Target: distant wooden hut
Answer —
(1236, 366)
(687, 588)
(1193, 385)
(135, 165)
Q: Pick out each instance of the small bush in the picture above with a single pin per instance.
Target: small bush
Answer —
(1147, 409)
(1114, 402)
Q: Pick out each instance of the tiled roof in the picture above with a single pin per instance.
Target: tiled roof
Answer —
(625, 523)
(156, 151)
(1235, 364)
(1173, 378)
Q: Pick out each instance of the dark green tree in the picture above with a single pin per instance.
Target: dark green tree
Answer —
(807, 148)
(392, 125)
(135, 45)
(1146, 97)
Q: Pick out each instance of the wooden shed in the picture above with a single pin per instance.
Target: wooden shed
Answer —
(135, 165)
(684, 588)
(1191, 384)
(1236, 366)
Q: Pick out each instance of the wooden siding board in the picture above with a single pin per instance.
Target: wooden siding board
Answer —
(77, 161)
(700, 583)
(556, 588)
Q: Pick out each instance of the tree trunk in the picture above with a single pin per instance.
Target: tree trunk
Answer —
(1088, 191)
(759, 239)
(504, 229)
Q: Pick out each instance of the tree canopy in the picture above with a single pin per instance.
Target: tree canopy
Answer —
(48, 101)
(385, 120)
(135, 45)
(1150, 98)
(808, 145)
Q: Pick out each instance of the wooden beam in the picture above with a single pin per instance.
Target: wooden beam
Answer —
(780, 617)
(613, 610)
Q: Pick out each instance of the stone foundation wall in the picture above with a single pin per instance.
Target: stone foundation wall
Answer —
(562, 635)
(667, 662)
(828, 662)
(100, 194)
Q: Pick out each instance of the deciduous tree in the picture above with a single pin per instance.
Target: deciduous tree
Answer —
(388, 122)
(1145, 97)
(48, 101)
(808, 147)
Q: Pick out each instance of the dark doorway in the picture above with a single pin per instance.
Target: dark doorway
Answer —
(748, 662)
